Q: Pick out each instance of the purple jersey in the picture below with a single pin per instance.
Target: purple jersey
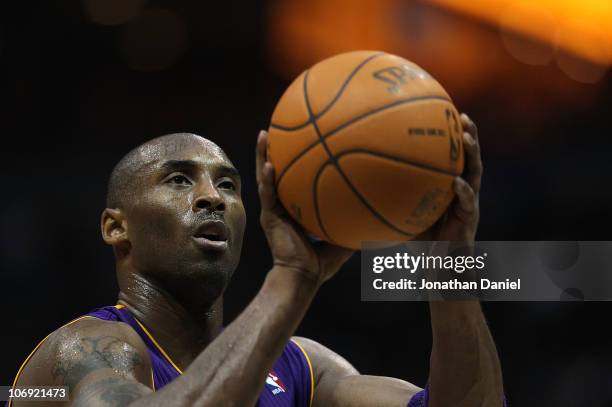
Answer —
(289, 383)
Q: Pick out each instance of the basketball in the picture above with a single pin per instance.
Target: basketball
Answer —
(365, 146)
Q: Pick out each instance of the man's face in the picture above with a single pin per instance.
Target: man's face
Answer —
(186, 222)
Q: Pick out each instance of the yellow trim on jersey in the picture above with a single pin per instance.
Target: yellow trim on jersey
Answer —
(36, 348)
(309, 367)
(119, 306)
(158, 346)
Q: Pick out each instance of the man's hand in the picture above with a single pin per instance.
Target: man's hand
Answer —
(288, 241)
(460, 221)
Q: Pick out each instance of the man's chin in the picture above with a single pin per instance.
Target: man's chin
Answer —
(199, 285)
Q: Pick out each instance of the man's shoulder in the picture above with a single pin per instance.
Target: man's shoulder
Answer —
(89, 330)
(83, 344)
(323, 359)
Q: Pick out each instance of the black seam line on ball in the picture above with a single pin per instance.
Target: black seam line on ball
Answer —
(334, 162)
(397, 159)
(333, 101)
(315, 194)
(355, 120)
(316, 180)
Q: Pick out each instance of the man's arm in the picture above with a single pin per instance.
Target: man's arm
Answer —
(464, 368)
(339, 384)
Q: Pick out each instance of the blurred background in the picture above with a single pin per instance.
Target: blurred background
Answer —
(82, 82)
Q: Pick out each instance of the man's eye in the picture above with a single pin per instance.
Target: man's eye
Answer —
(227, 185)
(179, 180)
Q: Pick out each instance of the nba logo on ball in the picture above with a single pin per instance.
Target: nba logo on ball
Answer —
(365, 146)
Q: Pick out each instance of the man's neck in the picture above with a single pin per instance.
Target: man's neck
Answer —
(182, 332)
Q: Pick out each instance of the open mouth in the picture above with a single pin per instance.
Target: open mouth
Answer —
(212, 235)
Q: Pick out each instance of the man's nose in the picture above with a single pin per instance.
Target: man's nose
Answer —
(208, 197)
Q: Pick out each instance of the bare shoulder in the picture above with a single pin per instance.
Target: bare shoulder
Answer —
(324, 360)
(338, 383)
(75, 350)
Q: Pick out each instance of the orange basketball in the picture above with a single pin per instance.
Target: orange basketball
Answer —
(365, 146)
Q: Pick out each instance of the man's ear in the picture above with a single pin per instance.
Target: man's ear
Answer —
(114, 227)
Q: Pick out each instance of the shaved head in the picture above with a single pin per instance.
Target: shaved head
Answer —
(123, 182)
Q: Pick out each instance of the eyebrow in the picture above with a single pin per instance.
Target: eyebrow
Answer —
(190, 165)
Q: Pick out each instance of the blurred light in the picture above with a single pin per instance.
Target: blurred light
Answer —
(589, 70)
(580, 69)
(323, 28)
(112, 12)
(585, 38)
(457, 52)
(567, 13)
(464, 54)
(526, 50)
(154, 41)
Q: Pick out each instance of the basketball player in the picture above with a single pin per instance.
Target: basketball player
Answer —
(175, 220)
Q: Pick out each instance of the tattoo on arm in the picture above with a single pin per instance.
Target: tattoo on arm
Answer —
(109, 392)
(76, 360)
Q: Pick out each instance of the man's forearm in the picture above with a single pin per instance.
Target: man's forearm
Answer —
(464, 366)
(232, 369)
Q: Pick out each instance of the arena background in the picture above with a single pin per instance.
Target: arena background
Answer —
(83, 82)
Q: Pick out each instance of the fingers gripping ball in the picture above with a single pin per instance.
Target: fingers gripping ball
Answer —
(365, 146)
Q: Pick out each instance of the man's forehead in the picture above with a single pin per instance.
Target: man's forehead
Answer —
(181, 147)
